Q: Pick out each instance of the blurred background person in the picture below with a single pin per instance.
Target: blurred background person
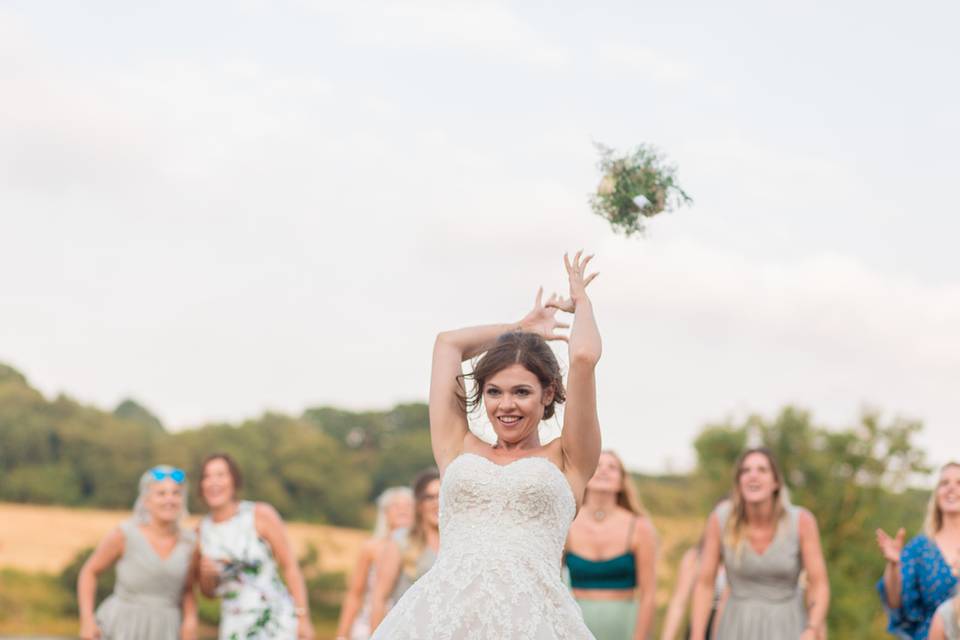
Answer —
(409, 553)
(683, 589)
(241, 545)
(920, 577)
(394, 512)
(153, 597)
(611, 554)
(764, 543)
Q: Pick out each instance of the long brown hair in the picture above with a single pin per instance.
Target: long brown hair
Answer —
(736, 522)
(933, 521)
(517, 347)
(417, 536)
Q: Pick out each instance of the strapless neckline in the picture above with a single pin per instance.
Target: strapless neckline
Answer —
(566, 482)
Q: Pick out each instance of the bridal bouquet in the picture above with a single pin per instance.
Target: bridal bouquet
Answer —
(636, 185)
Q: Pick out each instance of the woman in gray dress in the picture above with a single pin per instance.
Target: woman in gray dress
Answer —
(764, 543)
(153, 598)
(410, 553)
(946, 621)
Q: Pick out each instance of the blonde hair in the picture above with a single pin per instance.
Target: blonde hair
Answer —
(417, 536)
(933, 521)
(628, 498)
(736, 522)
(140, 513)
(382, 528)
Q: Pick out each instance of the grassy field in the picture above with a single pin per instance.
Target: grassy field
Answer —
(37, 542)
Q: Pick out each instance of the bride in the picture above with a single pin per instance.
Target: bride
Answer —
(505, 508)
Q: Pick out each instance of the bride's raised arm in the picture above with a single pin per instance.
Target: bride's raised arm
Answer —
(448, 417)
(580, 439)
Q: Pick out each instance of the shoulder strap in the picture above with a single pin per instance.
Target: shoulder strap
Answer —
(723, 512)
(633, 524)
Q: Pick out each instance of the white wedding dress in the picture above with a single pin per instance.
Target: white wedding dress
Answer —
(497, 576)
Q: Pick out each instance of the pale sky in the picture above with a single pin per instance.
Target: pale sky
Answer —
(223, 208)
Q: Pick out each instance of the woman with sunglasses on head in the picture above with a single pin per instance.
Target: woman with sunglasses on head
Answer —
(611, 555)
(243, 551)
(922, 575)
(153, 597)
(764, 543)
(411, 553)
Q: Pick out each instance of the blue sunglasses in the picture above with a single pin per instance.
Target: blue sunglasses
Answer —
(177, 475)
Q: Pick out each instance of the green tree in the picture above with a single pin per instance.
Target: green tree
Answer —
(851, 479)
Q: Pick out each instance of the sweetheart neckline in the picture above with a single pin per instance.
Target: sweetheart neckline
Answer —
(566, 482)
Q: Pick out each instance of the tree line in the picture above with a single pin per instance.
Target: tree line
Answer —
(327, 464)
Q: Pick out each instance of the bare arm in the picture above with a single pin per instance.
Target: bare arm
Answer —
(645, 549)
(892, 548)
(103, 557)
(388, 570)
(580, 439)
(188, 604)
(270, 527)
(686, 577)
(448, 420)
(937, 629)
(818, 585)
(353, 599)
(706, 579)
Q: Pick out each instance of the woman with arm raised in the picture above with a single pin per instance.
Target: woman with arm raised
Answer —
(921, 576)
(505, 507)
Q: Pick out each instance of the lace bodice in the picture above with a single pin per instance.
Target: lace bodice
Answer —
(497, 575)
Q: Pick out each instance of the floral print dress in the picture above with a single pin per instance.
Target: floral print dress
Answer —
(927, 582)
(255, 604)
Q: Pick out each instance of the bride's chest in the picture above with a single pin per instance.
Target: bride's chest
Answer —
(527, 488)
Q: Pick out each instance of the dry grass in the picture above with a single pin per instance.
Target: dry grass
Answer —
(45, 539)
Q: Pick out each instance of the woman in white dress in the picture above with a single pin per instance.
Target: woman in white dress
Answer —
(505, 508)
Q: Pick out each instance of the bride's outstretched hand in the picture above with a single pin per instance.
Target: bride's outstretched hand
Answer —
(542, 319)
(576, 272)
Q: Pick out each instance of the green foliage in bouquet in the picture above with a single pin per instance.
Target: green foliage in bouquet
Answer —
(636, 185)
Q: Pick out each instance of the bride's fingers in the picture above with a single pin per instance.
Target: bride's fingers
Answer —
(566, 262)
(590, 278)
(586, 261)
(576, 260)
(538, 301)
(562, 325)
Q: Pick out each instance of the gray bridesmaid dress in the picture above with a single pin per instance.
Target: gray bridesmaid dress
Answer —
(145, 603)
(765, 602)
(948, 613)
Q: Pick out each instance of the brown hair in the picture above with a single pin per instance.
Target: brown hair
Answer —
(232, 467)
(933, 521)
(738, 512)
(526, 349)
(417, 536)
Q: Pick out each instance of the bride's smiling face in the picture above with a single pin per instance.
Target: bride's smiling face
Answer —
(515, 400)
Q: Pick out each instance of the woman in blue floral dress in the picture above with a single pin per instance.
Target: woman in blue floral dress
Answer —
(922, 575)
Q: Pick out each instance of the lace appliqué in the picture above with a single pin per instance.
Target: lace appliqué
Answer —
(497, 576)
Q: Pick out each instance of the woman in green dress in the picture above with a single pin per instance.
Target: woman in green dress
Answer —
(611, 556)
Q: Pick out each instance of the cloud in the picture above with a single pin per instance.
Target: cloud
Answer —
(647, 62)
(492, 29)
